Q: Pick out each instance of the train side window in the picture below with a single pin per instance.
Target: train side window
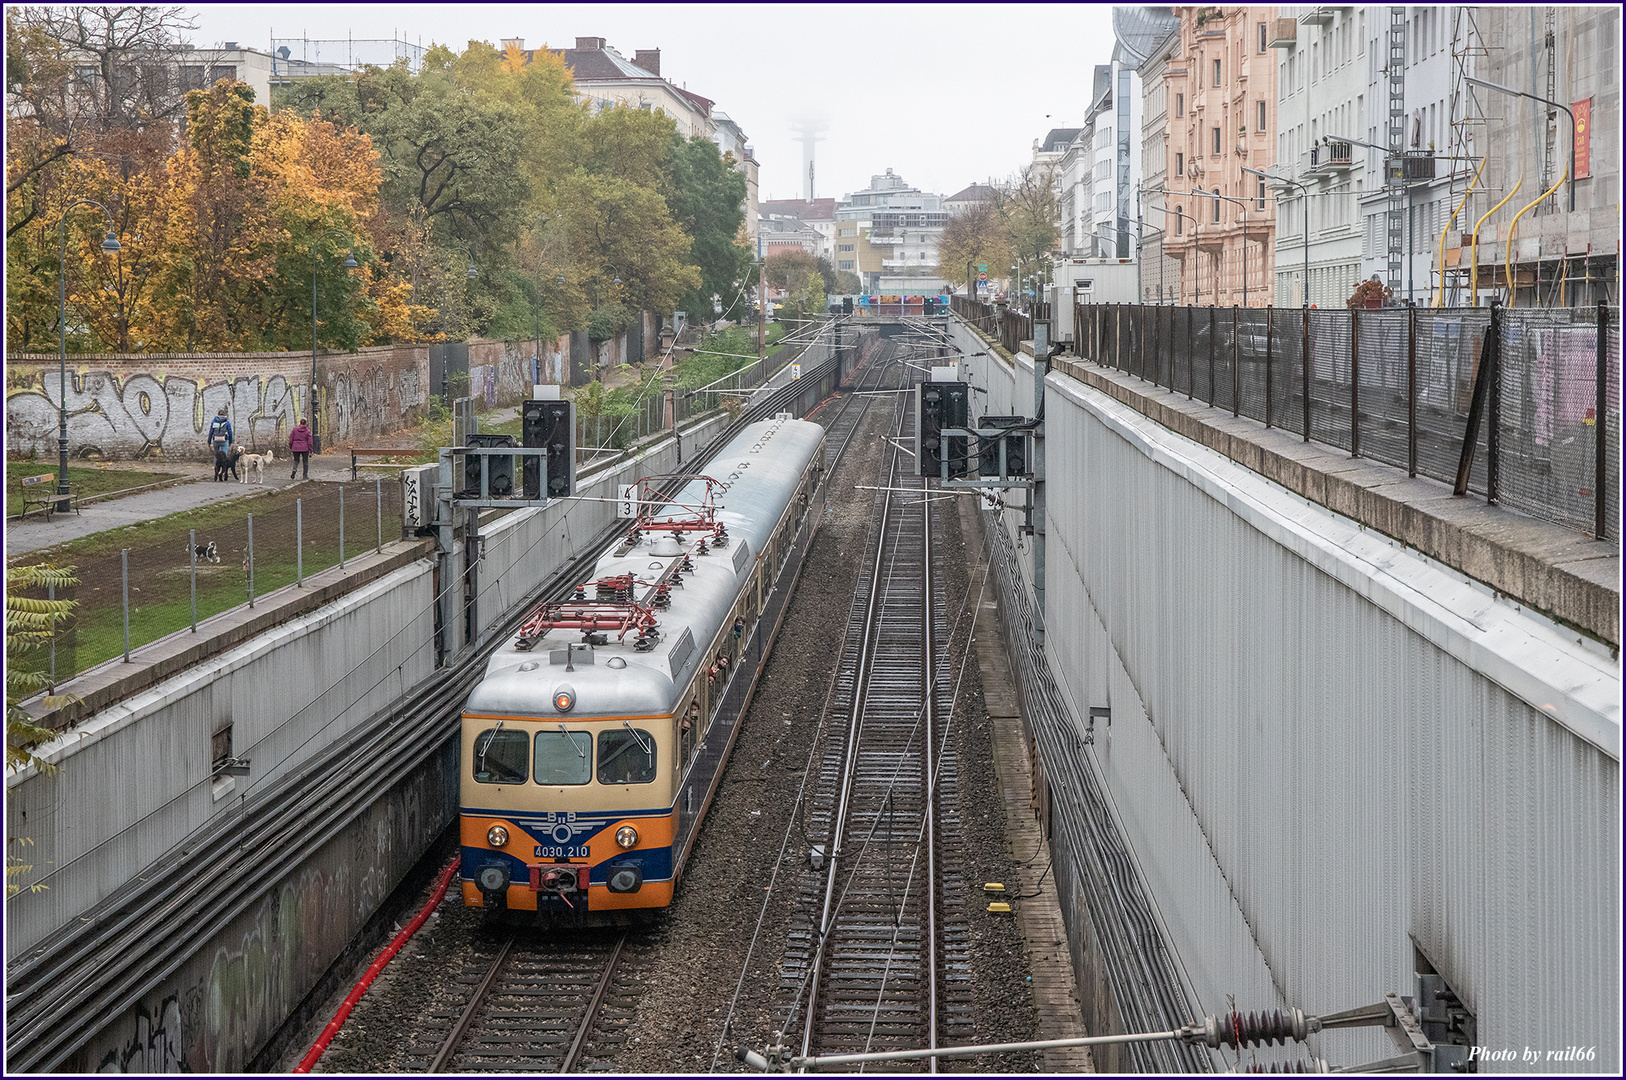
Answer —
(626, 756)
(501, 757)
(564, 757)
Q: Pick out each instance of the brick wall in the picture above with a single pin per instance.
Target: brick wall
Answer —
(158, 406)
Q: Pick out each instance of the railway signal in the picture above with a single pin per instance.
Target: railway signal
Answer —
(550, 425)
(938, 406)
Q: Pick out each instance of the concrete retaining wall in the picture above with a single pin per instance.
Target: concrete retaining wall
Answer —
(1327, 754)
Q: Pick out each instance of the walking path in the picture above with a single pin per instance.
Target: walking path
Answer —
(35, 532)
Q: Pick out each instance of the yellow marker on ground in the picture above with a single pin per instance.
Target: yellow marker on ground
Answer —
(999, 906)
(993, 886)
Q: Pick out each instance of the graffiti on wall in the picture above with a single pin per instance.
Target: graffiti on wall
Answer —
(140, 416)
(154, 1045)
(143, 415)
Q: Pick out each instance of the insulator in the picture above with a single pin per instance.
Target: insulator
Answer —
(1255, 1029)
(1284, 1067)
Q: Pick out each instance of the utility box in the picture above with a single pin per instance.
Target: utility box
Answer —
(418, 497)
(1089, 281)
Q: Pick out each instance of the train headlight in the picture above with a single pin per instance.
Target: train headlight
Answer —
(564, 699)
(626, 836)
(497, 836)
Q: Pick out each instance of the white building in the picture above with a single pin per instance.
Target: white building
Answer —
(907, 224)
(1321, 83)
(1429, 140)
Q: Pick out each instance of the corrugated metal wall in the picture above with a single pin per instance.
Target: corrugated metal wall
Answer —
(1309, 784)
(134, 780)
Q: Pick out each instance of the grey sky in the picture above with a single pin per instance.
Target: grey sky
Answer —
(943, 94)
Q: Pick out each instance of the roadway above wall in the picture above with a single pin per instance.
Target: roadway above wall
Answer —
(1555, 571)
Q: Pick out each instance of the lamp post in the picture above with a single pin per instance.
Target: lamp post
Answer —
(349, 264)
(1180, 215)
(1520, 93)
(1411, 235)
(1305, 194)
(445, 373)
(109, 244)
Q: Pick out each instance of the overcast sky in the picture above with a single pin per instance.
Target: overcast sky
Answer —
(942, 94)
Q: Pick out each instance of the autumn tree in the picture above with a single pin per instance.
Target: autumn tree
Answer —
(977, 235)
(797, 273)
(1027, 205)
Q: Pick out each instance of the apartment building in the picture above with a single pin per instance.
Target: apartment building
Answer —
(1560, 256)
(906, 224)
(1158, 285)
(1221, 99)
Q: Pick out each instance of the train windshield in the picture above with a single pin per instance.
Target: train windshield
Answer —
(501, 757)
(626, 756)
(564, 757)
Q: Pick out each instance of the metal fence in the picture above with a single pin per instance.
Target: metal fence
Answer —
(1403, 387)
(1011, 327)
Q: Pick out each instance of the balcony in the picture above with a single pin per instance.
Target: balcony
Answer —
(1317, 16)
(1327, 159)
(1284, 33)
(1417, 166)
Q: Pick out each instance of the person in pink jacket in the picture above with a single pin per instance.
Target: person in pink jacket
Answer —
(299, 444)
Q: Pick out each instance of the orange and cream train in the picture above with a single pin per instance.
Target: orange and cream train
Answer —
(593, 745)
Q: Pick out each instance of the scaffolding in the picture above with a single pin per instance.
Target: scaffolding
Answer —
(1469, 56)
(1395, 166)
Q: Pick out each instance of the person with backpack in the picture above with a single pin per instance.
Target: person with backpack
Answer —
(220, 441)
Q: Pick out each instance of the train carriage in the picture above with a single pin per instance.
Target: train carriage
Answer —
(593, 744)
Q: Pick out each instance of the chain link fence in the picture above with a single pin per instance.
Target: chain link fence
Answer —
(151, 585)
(1399, 386)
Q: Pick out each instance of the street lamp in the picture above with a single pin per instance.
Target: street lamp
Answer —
(1242, 215)
(1181, 215)
(1520, 93)
(445, 368)
(349, 264)
(111, 243)
(1305, 194)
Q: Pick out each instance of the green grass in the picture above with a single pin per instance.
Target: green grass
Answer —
(85, 481)
(98, 633)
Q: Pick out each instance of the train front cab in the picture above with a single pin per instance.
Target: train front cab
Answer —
(567, 818)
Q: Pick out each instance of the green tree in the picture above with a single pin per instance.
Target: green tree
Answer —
(705, 194)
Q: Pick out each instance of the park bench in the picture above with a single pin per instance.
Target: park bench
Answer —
(374, 451)
(41, 491)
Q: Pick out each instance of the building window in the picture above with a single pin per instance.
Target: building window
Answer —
(1216, 205)
(222, 71)
(1216, 140)
(1260, 127)
(1261, 195)
(1179, 105)
(1180, 164)
(1216, 72)
(1179, 220)
(846, 264)
(1264, 39)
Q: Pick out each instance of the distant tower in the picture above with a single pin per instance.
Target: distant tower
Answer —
(810, 132)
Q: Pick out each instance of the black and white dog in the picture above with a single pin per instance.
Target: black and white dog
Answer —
(206, 552)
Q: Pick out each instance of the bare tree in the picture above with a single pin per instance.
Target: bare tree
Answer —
(110, 80)
(1029, 204)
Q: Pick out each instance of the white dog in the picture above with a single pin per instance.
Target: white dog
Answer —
(256, 464)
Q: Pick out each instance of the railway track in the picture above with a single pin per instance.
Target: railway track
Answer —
(529, 1008)
(879, 953)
